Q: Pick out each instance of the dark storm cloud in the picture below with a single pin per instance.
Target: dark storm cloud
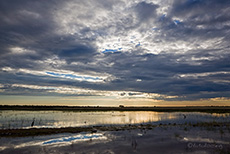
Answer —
(23, 22)
(146, 11)
(212, 17)
(200, 8)
(31, 25)
(78, 53)
(41, 36)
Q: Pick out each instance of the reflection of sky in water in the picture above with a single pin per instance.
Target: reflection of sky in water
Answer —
(55, 140)
(23, 119)
(69, 139)
(200, 139)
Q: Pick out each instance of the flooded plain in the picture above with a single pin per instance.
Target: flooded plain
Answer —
(172, 132)
(10, 119)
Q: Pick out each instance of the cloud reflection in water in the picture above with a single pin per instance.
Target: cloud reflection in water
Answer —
(81, 137)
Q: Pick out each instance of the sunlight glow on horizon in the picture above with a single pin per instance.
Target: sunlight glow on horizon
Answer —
(103, 101)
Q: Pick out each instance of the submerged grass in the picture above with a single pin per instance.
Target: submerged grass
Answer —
(47, 131)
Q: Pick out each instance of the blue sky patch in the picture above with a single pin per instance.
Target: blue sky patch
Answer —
(139, 44)
(176, 22)
(72, 76)
(109, 50)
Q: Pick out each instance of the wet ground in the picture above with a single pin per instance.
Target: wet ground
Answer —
(97, 132)
(11, 119)
(161, 139)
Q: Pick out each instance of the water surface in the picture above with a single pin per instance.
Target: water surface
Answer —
(54, 119)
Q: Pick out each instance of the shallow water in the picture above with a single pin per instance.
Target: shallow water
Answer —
(23, 119)
(172, 139)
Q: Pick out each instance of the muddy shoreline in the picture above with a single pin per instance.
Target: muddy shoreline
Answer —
(48, 131)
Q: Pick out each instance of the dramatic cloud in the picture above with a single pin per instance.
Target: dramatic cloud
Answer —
(161, 50)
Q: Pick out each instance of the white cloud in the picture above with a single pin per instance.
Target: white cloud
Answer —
(30, 14)
(61, 74)
(196, 75)
(91, 92)
(20, 50)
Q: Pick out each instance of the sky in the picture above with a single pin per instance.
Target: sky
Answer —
(131, 52)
